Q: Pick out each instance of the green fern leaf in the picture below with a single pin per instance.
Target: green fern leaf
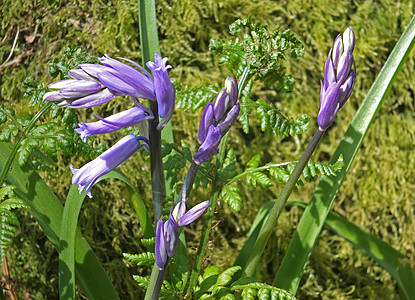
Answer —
(143, 259)
(225, 277)
(254, 178)
(149, 242)
(194, 98)
(230, 195)
(142, 281)
(8, 228)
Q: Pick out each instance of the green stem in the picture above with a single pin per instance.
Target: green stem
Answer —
(156, 165)
(188, 182)
(159, 282)
(22, 135)
(209, 219)
(269, 226)
(151, 288)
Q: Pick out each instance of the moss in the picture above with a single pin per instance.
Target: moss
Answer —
(377, 194)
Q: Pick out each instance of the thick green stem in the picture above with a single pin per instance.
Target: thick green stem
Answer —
(22, 136)
(269, 226)
(156, 165)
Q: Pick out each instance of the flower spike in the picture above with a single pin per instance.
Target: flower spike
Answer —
(339, 78)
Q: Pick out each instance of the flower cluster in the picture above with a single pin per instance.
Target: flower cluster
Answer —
(216, 120)
(339, 78)
(96, 84)
(167, 236)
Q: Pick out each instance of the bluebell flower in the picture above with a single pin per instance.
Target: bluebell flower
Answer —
(95, 84)
(86, 176)
(167, 236)
(129, 117)
(216, 120)
(339, 78)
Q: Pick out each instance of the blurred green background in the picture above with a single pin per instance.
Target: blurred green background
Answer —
(378, 193)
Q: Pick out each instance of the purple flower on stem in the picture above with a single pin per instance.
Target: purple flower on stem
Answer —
(216, 120)
(129, 117)
(157, 87)
(339, 78)
(167, 236)
(86, 176)
(96, 84)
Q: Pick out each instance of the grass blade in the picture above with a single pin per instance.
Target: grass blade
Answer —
(67, 242)
(393, 261)
(308, 230)
(48, 211)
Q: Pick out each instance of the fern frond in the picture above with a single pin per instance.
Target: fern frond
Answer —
(271, 118)
(193, 98)
(310, 171)
(231, 196)
(143, 259)
(258, 290)
(8, 228)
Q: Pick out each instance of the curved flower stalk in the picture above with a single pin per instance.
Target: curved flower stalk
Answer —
(339, 78)
(167, 235)
(86, 176)
(216, 120)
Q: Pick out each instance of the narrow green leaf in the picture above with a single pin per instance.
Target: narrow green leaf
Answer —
(308, 230)
(67, 244)
(47, 210)
(393, 261)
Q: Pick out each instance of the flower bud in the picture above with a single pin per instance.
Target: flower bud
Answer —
(339, 78)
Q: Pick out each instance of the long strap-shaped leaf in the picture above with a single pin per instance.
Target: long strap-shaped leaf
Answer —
(71, 211)
(308, 230)
(393, 261)
(47, 210)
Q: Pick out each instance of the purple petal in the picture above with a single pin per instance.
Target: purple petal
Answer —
(52, 96)
(231, 85)
(349, 39)
(179, 210)
(337, 49)
(80, 74)
(93, 69)
(193, 214)
(57, 85)
(106, 162)
(329, 75)
(92, 100)
(229, 120)
(120, 83)
(328, 112)
(127, 71)
(171, 236)
(160, 248)
(129, 117)
(205, 122)
(344, 66)
(222, 101)
(80, 89)
(347, 88)
(164, 89)
(210, 145)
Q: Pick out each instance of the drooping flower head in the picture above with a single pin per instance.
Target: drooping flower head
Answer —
(129, 117)
(86, 176)
(216, 120)
(339, 78)
(95, 84)
(167, 236)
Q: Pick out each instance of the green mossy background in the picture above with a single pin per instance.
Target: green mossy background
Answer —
(378, 193)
